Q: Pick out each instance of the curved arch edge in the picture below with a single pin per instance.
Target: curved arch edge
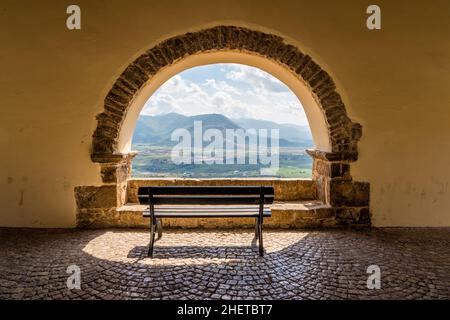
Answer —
(343, 133)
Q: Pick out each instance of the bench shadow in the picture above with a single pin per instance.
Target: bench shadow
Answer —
(196, 252)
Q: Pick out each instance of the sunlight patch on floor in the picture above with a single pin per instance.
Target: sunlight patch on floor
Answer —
(191, 247)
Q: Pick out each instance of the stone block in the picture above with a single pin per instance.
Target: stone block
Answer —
(97, 218)
(349, 194)
(348, 214)
(332, 170)
(354, 217)
(97, 196)
(115, 173)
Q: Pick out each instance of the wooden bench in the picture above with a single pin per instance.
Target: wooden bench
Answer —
(206, 202)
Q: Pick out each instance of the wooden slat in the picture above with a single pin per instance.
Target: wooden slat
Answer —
(209, 208)
(161, 196)
(212, 214)
(207, 190)
(208, 211)
(204, 199)
(169, 196)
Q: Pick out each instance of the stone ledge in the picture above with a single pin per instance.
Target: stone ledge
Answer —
(333, 156)
(112, 157)
(277, 205)
(285, 214)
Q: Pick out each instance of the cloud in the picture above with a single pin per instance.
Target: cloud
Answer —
(235, 91)
(260, 81)
(220, 85)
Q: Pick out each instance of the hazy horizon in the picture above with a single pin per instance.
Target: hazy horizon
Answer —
(237, 119)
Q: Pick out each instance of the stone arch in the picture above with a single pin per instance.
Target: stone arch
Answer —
(346, 200)
(343, 133)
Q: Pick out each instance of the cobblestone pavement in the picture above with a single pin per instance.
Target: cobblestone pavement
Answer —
(193, 264)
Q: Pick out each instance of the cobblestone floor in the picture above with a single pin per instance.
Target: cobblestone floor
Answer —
(414, 263)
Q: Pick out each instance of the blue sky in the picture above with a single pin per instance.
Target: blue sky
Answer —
(234, 90)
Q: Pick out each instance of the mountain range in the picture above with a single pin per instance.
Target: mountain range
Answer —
(157, 130)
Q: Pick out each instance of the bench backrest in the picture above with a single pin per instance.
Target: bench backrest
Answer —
(206, 195)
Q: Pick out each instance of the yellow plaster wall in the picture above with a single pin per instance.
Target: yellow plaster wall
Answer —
(395, 82)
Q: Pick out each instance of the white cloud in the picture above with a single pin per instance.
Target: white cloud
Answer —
(220, 85)
(260, 81)
(236, 91)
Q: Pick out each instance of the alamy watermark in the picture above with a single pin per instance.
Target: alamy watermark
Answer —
(74, 280)
(73, 21)
(235, 146)
(374, 280)
(374, 20)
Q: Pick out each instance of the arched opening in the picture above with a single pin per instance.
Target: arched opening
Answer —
(335, 136)
(228, 106)
(316, 118)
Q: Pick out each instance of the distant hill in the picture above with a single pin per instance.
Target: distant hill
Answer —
(157, 130)
(299, 135)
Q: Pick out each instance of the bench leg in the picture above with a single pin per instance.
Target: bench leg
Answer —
(256, 228)
(261, 248)
(152, 239)
(159, 228)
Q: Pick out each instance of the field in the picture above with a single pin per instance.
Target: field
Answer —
(154, 161)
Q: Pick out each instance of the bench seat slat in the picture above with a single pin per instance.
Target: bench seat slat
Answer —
(209, 207)
(206, 214)
(205, 199)
(218, 190)
(226, 208)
